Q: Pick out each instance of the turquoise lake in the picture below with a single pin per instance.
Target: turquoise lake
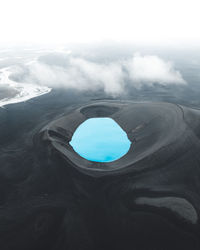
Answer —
(100, 140)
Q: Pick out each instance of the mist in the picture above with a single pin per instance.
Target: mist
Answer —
(67, 71)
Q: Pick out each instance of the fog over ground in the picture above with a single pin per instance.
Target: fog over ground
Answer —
(109, 46)
(58, 70)
(114, 70)
(68, 71)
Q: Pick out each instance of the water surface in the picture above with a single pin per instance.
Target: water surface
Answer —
(100, 140)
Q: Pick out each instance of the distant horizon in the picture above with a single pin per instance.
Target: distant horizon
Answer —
(152, 22)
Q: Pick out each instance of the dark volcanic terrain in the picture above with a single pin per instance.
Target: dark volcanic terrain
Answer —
(53, 199)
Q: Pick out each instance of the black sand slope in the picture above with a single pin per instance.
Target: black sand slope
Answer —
(51, 198)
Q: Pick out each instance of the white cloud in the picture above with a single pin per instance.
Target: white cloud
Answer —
(109, 76)
(81, 74)
(152, 69)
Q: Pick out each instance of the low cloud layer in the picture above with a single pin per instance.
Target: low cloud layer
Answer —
(70, 72)
(152, 69)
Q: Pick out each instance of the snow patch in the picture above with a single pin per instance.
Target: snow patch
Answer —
(25, 91)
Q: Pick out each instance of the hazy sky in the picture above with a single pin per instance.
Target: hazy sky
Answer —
(62, 21)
